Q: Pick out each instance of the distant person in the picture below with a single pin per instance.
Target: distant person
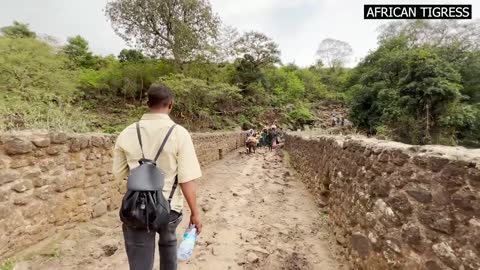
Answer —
(179, 163)
(272, 138)
(334, 119)
(269, 139)
(251, 143)
(263, 138)
(276, 134)
(250, 132)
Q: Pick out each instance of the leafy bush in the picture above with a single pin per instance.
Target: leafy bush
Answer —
(7, 265)
(36, 89)
(17, 30)
(406, 91)
(300, 116)
(196, 100)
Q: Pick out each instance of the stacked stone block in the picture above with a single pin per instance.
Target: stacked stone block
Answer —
(395, 206)
(51, 181)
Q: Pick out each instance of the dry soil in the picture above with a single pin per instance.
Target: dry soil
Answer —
(256, 215)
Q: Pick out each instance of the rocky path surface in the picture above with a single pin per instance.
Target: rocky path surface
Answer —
(256, 216)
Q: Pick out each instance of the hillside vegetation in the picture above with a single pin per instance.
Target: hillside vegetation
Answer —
(420, 86)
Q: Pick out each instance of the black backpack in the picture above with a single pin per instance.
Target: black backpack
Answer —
(143, 205)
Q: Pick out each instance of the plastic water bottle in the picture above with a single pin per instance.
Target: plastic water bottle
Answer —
(185, 249)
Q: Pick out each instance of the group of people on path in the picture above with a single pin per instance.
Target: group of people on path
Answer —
(338, 120)
(269, 137)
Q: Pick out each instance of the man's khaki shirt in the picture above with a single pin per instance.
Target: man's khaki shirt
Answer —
(177, 158)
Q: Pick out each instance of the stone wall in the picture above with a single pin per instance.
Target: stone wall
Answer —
(50, 181)
(395, 206)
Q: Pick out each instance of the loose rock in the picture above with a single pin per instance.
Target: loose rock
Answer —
(252, 257)
(18, 146)
(110, 248)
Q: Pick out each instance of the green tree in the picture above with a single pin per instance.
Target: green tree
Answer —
(169, 28)
(379, 71)
(457, 44)
(129, 80)
(315, 89)
(17, 30)
(470, 73)
(462, 121)
(428, 86)
(78, 52)
(130, 55)
(405, 92)
(262, 49)
(285, 86)
(247, 72)
(254, 51)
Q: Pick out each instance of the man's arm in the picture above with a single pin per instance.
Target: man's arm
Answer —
(120, 168)
(189, 170)
(189, 190)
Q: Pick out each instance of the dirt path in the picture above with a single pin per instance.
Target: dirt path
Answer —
(256, 216)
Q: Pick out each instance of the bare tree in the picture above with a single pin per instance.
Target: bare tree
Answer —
(166, 28)
(465, 35)
(334, 53)
(223, 46)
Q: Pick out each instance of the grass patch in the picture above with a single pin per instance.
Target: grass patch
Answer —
(7, 264)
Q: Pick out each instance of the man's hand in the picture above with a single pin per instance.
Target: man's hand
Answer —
(195, 220)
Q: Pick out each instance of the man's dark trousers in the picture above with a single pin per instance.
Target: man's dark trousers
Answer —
(140, 246)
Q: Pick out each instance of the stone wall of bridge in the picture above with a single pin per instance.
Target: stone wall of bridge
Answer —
(51, 181)
(395, 206)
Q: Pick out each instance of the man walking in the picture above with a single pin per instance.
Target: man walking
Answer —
(178, 158)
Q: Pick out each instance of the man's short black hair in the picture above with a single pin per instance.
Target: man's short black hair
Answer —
(159, 96)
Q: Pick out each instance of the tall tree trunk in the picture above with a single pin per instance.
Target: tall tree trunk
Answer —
(177, 59)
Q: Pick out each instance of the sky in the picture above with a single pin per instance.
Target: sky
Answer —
(298, 26)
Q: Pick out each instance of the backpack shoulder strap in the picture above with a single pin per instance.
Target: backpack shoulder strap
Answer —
(164, 141)
(174, 187)
(140, 139)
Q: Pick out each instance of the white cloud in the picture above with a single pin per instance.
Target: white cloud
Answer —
(248, 7)
(298, 26)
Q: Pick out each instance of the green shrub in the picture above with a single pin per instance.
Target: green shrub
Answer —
(300, 116)
(36, 89)
(8, 264)
(198, 102)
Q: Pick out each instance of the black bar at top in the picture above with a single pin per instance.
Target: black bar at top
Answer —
(417, 12)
